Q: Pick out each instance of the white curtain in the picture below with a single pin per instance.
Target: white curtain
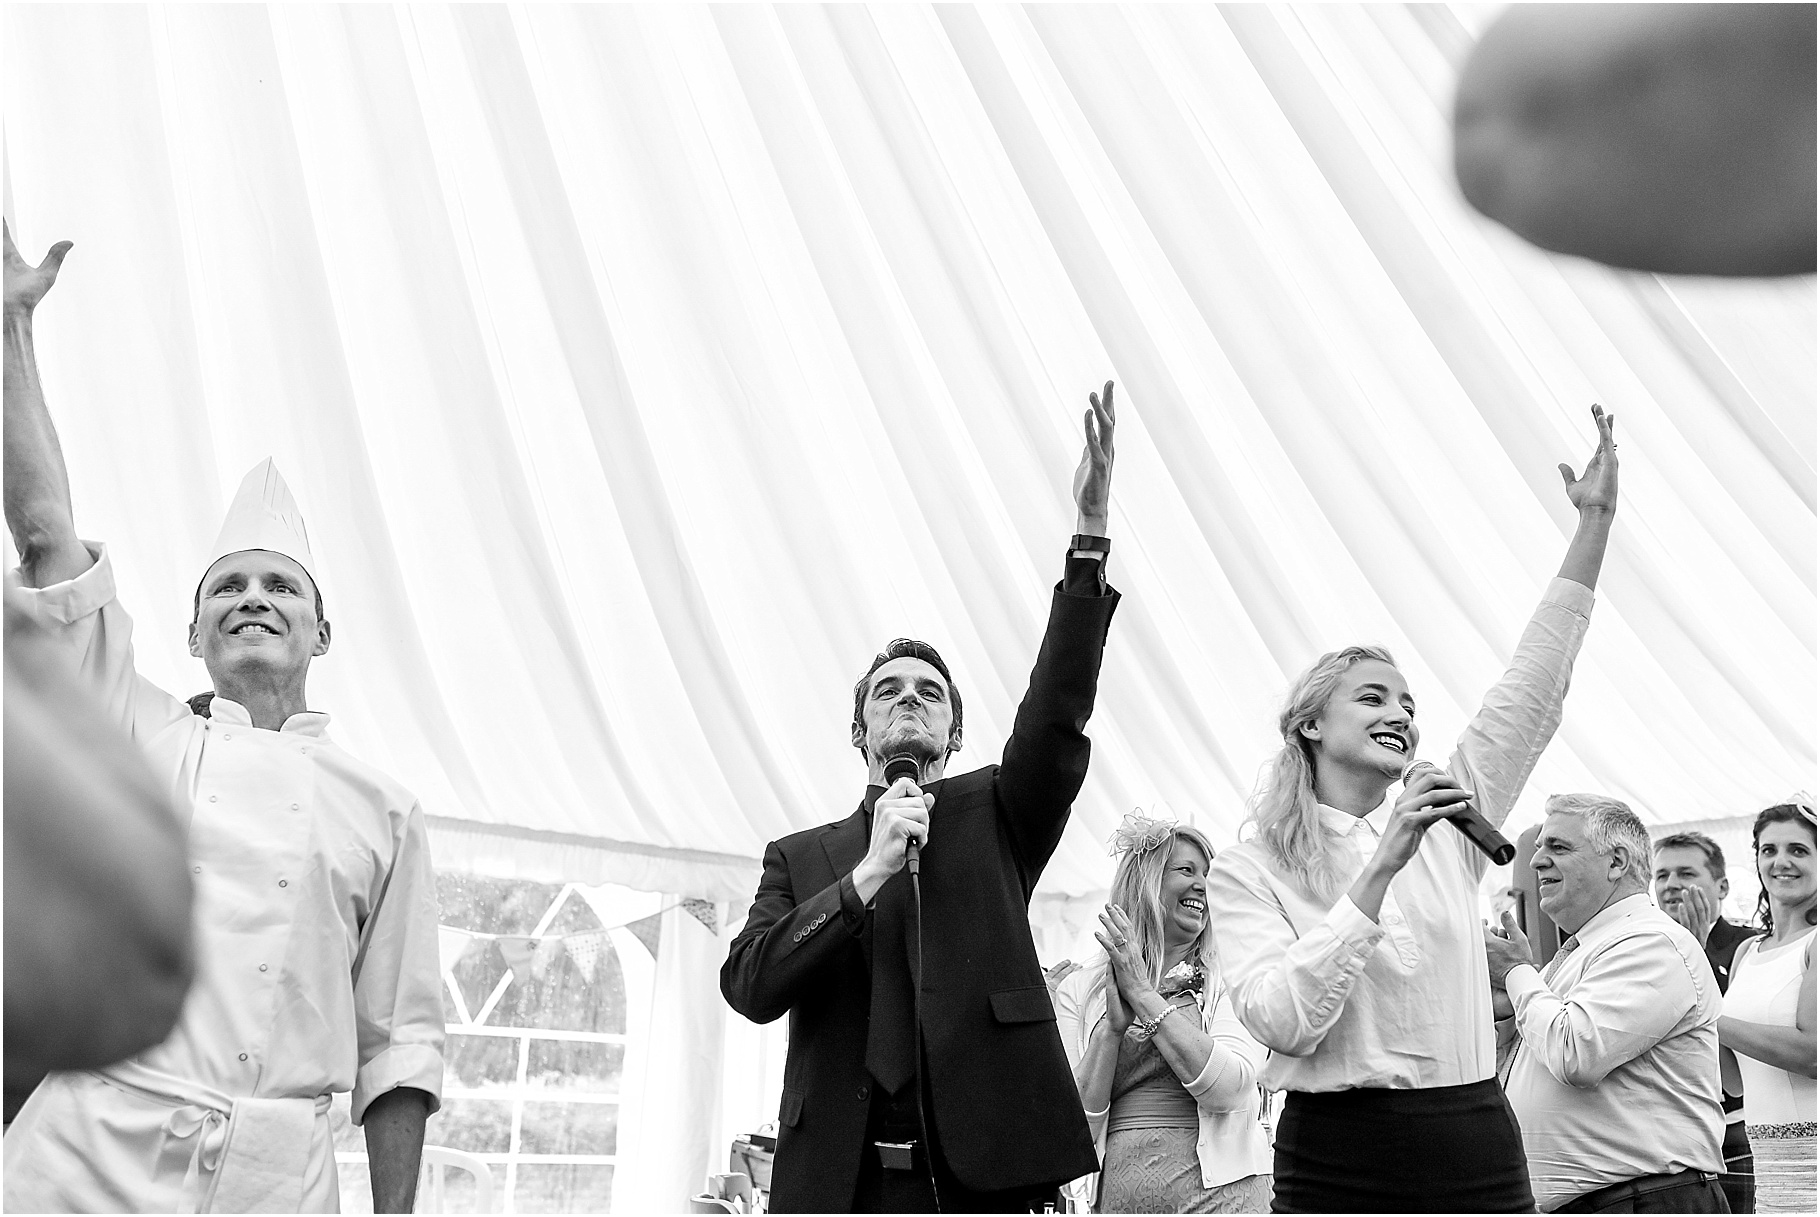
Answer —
(642, 370)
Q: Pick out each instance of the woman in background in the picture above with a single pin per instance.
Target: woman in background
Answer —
(1769, 1006)
(1167, 1075)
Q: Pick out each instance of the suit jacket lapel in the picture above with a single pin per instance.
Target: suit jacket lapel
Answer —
(845, 842)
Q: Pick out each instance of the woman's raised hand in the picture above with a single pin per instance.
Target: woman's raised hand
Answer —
(1596, 490)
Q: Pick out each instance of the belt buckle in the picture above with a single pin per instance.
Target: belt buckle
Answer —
(896, 1155)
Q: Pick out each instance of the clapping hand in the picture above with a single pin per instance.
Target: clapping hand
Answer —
(1505, 948)
(1696, 912)
(1129, 975)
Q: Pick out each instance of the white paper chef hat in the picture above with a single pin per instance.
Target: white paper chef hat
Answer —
(264, 515)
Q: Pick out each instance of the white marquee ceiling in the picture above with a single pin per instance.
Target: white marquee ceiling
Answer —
(642, 370)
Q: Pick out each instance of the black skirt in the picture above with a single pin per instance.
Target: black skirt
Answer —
(1439, 1149)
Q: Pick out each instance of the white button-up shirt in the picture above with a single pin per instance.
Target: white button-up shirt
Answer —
(315, 918)
(1617, 1069)
(1343, 1001)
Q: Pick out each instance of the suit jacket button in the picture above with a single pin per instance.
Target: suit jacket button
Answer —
(864, 1094)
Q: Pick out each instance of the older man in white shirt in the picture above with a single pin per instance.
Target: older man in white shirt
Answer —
(316, 940)
(1614, 1076)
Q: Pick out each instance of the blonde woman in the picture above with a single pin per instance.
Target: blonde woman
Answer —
(1167, 1076)
(1349, 931)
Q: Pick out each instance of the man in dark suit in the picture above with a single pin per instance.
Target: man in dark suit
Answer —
(1690, 886)
(978, 1112)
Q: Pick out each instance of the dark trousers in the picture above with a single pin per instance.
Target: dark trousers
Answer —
(1686, 1192)
(1440, 1149)
(885, 1190)
(1739, 1181)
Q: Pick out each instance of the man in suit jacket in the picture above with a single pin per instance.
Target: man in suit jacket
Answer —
(1690, 886)
(978, 1112)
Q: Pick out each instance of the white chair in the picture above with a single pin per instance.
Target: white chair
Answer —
(436, 1162)
(729, 1193)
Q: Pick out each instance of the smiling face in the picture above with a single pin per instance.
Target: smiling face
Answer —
(1574, 879)
(1681, 868)
(1785, 861)
(907, 709)
(1184, 894)
(1368, 724)
(256, 617)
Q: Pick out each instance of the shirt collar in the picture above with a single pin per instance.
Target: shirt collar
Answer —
(1344, 823)
(307, 722)
(1612, 915)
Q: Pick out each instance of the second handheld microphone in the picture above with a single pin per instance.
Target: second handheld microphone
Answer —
(903, 765)
(1492, 843)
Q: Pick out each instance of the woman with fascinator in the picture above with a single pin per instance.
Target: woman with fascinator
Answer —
(1769, 1006)
(1167, 1075)
(1349, 922)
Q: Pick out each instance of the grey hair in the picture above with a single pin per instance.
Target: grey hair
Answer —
(1609, 822)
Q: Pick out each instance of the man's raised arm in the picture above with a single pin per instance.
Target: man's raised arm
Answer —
(1045, 759)
(38, 509)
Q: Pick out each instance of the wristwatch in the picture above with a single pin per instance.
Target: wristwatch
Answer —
(1083, 546)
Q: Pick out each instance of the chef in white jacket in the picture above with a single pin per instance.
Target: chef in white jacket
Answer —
(317, 967)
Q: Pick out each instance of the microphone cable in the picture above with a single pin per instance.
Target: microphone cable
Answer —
(922, 1103)
(901, 766)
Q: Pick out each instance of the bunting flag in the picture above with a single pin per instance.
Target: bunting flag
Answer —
(517, 952)
(532, 958)
(702, 911)
(454, 945)
(543, 955)
(585, 950)
(649, 930)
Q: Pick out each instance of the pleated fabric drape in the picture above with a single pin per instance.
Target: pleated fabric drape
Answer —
(643, 369)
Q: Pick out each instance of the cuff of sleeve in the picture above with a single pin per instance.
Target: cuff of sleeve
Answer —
(852, 908)
(1217, 1062)
(1576, 597)
(1522, 983)
(73, 599)
(1084, 576)
(1351, 926)
(414, 1065)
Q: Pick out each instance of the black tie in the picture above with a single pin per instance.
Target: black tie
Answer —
(891, 1031)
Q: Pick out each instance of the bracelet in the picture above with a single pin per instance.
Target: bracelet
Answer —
(1143, 1028)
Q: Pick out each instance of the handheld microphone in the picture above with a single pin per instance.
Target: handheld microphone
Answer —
(1492, 843)
(903, 765)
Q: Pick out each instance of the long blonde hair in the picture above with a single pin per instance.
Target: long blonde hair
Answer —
(1283, 806)
(1137, 887)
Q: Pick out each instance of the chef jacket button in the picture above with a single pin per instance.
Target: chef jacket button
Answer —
(262, 967)
(197, 869)
(227, 735)
(864, 1094)
(284, 883)
(295, 806)
(243, 1056)
(214, 798)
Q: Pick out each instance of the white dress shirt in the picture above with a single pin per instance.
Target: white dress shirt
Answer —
(1616, 1073)
(1343, 1001)
(316, 947)
(1232, 1143)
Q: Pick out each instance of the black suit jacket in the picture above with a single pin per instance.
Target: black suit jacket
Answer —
(1004, 1101)
(1721, 944)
